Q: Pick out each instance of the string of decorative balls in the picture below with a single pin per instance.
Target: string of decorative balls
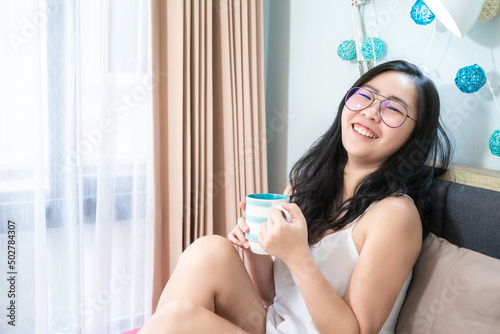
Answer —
(469, 79)
(372, 48)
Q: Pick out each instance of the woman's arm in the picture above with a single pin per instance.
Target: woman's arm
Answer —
(259, 267)
(329, 312)
(390, 243)
(288, 242)
(391, 239)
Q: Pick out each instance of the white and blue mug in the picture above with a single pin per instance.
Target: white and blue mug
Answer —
(258, 209)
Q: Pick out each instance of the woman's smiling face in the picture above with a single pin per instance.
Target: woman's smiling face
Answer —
(365, 137)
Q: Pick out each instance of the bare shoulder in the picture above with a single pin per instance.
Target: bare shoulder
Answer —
(395, 212)
(394, 221)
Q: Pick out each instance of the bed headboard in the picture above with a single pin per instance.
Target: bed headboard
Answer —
(473, 176)
(465, 208)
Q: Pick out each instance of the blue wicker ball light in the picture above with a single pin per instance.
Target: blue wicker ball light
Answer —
(421, 14)
(372, 48)
(495, 143)
(470, 79)
(347, 50)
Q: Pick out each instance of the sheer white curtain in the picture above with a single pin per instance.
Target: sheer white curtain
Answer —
(75, 165)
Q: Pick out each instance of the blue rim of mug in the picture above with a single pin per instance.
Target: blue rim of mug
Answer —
(262, 199)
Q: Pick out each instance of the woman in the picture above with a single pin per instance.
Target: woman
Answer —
(344, 262)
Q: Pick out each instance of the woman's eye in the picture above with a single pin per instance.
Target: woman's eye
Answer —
(395, 109)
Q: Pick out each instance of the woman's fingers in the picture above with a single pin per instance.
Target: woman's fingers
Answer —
(235, 238)
(278, 216)
(240, 231)
(237, 235)
(243, 225)
(293, 209)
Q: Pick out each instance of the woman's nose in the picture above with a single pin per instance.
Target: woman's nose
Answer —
(373, 111)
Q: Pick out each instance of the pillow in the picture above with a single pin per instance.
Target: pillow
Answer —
(454, 290)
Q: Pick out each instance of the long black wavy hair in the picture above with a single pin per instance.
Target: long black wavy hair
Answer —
(317, 177)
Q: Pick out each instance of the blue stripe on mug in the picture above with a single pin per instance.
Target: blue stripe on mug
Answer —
(255, 219)
(251, 237)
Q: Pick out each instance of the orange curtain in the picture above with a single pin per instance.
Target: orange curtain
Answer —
(209, 120)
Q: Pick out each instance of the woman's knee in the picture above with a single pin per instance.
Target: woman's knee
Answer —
(213, 241)
(210, 247)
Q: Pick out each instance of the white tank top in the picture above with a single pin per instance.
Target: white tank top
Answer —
(336, 256)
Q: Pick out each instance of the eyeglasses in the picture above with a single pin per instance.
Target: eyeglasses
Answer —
(392, 113)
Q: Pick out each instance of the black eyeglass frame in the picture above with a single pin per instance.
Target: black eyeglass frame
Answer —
(379, 106)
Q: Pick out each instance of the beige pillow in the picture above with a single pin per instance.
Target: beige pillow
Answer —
(454, 290)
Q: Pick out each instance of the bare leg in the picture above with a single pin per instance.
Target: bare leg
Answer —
(210, 291)
(181, 317)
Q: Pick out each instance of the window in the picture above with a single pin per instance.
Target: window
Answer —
(75, 168)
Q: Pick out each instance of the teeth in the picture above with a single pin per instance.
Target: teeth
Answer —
(363, 132)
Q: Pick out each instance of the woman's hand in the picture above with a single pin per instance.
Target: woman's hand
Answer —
(237, 235)
(285, 240)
